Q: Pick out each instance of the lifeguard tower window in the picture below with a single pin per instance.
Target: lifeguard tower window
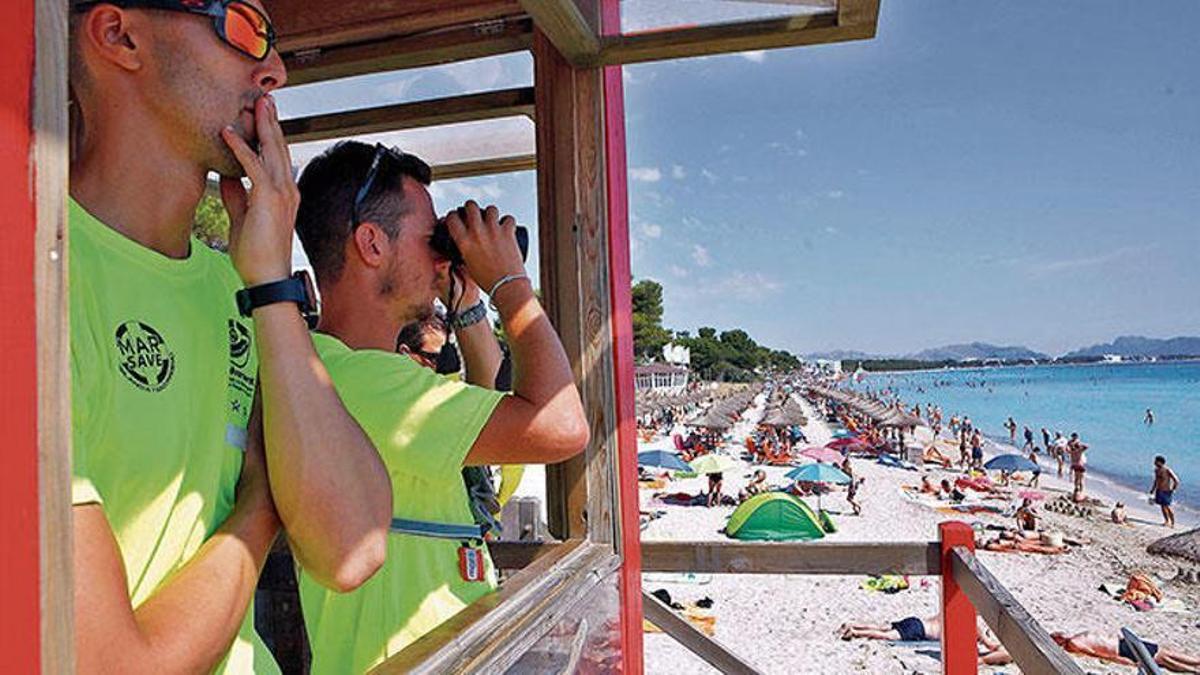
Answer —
(569, 125)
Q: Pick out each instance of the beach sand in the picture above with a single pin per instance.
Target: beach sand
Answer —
(788, 623)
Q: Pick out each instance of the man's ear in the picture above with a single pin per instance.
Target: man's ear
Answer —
(371, 244)
(115, 36)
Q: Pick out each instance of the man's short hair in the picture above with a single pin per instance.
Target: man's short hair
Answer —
(1159, 459)
(328, 187)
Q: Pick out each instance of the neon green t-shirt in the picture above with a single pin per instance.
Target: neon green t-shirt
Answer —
(423, 426)
(163, 371)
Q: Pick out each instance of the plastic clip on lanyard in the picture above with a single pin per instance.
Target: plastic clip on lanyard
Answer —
(470, 538)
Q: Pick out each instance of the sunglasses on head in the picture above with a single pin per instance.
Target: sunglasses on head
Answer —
(239, 24)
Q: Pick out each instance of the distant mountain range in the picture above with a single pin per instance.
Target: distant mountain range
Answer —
(1136, 345)
(1126, 346)
(976, 351)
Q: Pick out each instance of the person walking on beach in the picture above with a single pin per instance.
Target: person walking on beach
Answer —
(1076, 450)
(1046, 439)
(1060, 451)
(852, 490)
(1037, 473)
(1165, 485)
(1011, 425)
(1028, 439)
(976, 450)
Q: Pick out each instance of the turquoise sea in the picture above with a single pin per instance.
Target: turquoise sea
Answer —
(1105, 403)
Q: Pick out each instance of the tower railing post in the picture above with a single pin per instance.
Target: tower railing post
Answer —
(959, 654)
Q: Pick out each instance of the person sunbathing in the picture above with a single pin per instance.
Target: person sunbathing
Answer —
(927, 486)
(1019, 544)
(1111, 648)
(914, 629)
(932, 454)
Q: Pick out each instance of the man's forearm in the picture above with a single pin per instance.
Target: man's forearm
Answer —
(481, 353)
(188, 625)
(330, 486)
(533, 341)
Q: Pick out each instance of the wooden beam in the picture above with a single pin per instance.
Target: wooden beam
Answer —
(733, 557)
(517, 555)
(570, 32)
(484, 167)
(315, 64)
(434, 112)
(1024, 638)
(302, 24)
(713, 652)
(811, 29)
(493, 632)
(50, 158)
(573, 241)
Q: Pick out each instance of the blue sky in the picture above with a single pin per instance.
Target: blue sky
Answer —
(1008, 172)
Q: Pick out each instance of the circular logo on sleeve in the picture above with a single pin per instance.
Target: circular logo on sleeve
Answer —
(145, 359)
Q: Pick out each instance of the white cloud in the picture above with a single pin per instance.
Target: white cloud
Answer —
(712, 177)
(748, 285)
(757, 55)
(799, 134)
(679, 271)
(1037, 269)
(678, 172)
(646, 174)
(700, 255)
(835, 194)
(477, 74)
(829, 229)
(651, 230)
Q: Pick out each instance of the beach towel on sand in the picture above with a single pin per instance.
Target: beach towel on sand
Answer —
(887, 583)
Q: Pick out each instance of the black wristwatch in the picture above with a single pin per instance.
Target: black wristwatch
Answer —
(297, 288)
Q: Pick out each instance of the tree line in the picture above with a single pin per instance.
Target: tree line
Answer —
(726, 356)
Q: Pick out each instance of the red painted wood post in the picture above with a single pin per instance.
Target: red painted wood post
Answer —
(20, 575)
(959, 655)
(622, 327)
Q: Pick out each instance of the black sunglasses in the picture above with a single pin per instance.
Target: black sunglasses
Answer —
(238, 23)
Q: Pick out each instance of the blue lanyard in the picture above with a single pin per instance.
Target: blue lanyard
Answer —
(426, 528)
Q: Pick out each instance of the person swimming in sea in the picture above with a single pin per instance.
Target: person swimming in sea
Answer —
(1149, 420)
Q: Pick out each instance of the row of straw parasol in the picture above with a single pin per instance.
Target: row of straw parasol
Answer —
(880, 413)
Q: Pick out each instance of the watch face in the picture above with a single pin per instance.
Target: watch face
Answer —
(310, 292)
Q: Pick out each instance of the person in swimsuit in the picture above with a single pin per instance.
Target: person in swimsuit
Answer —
(908, 629)
(1076, 450)
(1112, 648)
(1165, 484)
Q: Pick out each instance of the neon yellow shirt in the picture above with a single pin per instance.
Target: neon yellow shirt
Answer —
(423, 426)
(162, 379)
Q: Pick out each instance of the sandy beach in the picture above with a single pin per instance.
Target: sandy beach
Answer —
(788, 623)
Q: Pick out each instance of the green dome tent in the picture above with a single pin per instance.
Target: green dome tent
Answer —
(774, 516)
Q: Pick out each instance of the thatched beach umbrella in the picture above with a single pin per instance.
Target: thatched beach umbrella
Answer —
(1185, 546)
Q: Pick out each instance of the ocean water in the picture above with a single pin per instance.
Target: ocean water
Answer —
(1104, 403)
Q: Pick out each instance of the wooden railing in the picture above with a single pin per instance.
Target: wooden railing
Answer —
(967, 588)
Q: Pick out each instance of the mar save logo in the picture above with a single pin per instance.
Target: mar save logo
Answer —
(145, 359)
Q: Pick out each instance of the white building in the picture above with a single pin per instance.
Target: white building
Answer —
(660, 377)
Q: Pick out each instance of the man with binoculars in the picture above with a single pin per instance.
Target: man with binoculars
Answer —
(367, 223)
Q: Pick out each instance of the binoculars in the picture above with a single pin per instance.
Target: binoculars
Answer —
(443, 244)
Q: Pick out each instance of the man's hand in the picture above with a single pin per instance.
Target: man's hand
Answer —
(488, 243)
(261, 222)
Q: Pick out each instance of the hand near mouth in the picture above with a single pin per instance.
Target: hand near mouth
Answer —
(261, 221)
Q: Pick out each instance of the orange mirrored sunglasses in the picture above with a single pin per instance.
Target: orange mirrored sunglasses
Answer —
(238, 23)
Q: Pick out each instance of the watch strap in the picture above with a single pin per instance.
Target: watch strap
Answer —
(292, 289)
(469, 316)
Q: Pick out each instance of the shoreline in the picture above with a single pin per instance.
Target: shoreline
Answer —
(1088, 364)
(1116, 486)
